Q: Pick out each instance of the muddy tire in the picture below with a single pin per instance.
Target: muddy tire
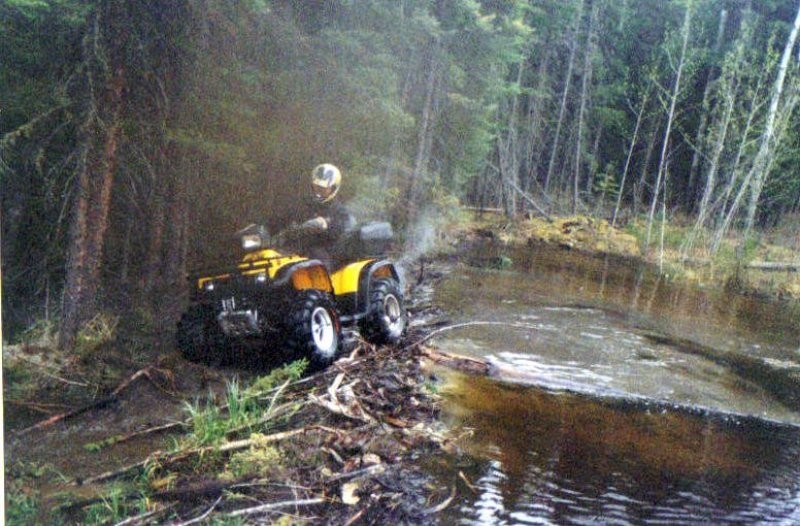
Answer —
(313, 330)
(199, 337)
(387, 318)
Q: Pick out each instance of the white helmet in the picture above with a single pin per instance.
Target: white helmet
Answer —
(325, 182)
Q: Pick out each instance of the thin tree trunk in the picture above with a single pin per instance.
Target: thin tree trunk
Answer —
(701, 129)
(585, 81)
(508, 148)
(759, 170)
(564, 96)
(628, 158)
(727, 213)
(648, 156)
(670, 119)
(711, 177)
(534, 128)
(102, 132)
(425, 135)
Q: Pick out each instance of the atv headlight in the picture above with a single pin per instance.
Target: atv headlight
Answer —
(208, 285)
(261, 278)
(251, 241)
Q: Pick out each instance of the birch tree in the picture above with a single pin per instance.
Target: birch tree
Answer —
(673, 102)
(759, 171)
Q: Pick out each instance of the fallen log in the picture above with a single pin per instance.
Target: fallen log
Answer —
(98, 404)
(774, 266)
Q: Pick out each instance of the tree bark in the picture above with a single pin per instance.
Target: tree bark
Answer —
(102, 132)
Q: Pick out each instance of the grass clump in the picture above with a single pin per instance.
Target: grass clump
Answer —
(242, 409)
(99, 330)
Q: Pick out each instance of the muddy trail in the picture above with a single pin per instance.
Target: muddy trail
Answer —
(340, 446)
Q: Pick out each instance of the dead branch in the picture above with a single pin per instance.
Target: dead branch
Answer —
(103, 402)
(457, 362)
(257, 510)
(447, 328)
(202, 517)
(371, 470)
(166, 459)
(144, 516)
(443, 505)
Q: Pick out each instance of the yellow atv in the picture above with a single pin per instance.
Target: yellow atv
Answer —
(292, 306)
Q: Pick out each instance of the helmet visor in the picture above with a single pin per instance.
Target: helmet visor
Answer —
(323, 192)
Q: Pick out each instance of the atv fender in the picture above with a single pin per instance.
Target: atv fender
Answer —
(351, 285)
(306, 274)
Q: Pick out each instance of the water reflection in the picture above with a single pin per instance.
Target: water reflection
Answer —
(585, 325)
(571, 459)
(625, 398)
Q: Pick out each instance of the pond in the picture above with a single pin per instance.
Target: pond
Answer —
(619, 396)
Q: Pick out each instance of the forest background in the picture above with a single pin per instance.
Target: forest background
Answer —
(137, 137)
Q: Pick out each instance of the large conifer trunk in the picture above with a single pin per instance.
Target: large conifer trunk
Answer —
(101, 136)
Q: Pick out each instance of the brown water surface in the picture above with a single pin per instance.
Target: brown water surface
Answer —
(621, 397)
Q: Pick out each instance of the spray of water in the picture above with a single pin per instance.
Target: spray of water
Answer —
(420, 239)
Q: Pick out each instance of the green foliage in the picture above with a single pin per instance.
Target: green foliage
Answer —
(42, 333)
(115, 505)
(210, 423)
(21, 504)
(22, 499)
(290, 372)
(94, 333)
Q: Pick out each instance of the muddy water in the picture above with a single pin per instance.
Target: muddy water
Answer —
(620, 397)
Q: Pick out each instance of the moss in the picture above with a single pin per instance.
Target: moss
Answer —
(261, 460)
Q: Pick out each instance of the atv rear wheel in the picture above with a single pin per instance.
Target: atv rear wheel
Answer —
(386, 319)
(199, 337)
(313, 329)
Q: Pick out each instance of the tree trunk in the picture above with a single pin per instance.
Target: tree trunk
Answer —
(759, 169)
(585, 82)
(564, 96)
(101, 136)
(427, 125)
(628, 158)
(638, 191)
(508, 148)
(701, 129)
(533, 138)
(687, 21)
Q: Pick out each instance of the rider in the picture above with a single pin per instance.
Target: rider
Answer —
(332, 220)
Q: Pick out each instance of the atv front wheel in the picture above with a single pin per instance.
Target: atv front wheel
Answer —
(313, 328)
(199, 337)
(386, 316)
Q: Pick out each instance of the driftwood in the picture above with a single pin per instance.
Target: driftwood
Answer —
(457, 362)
